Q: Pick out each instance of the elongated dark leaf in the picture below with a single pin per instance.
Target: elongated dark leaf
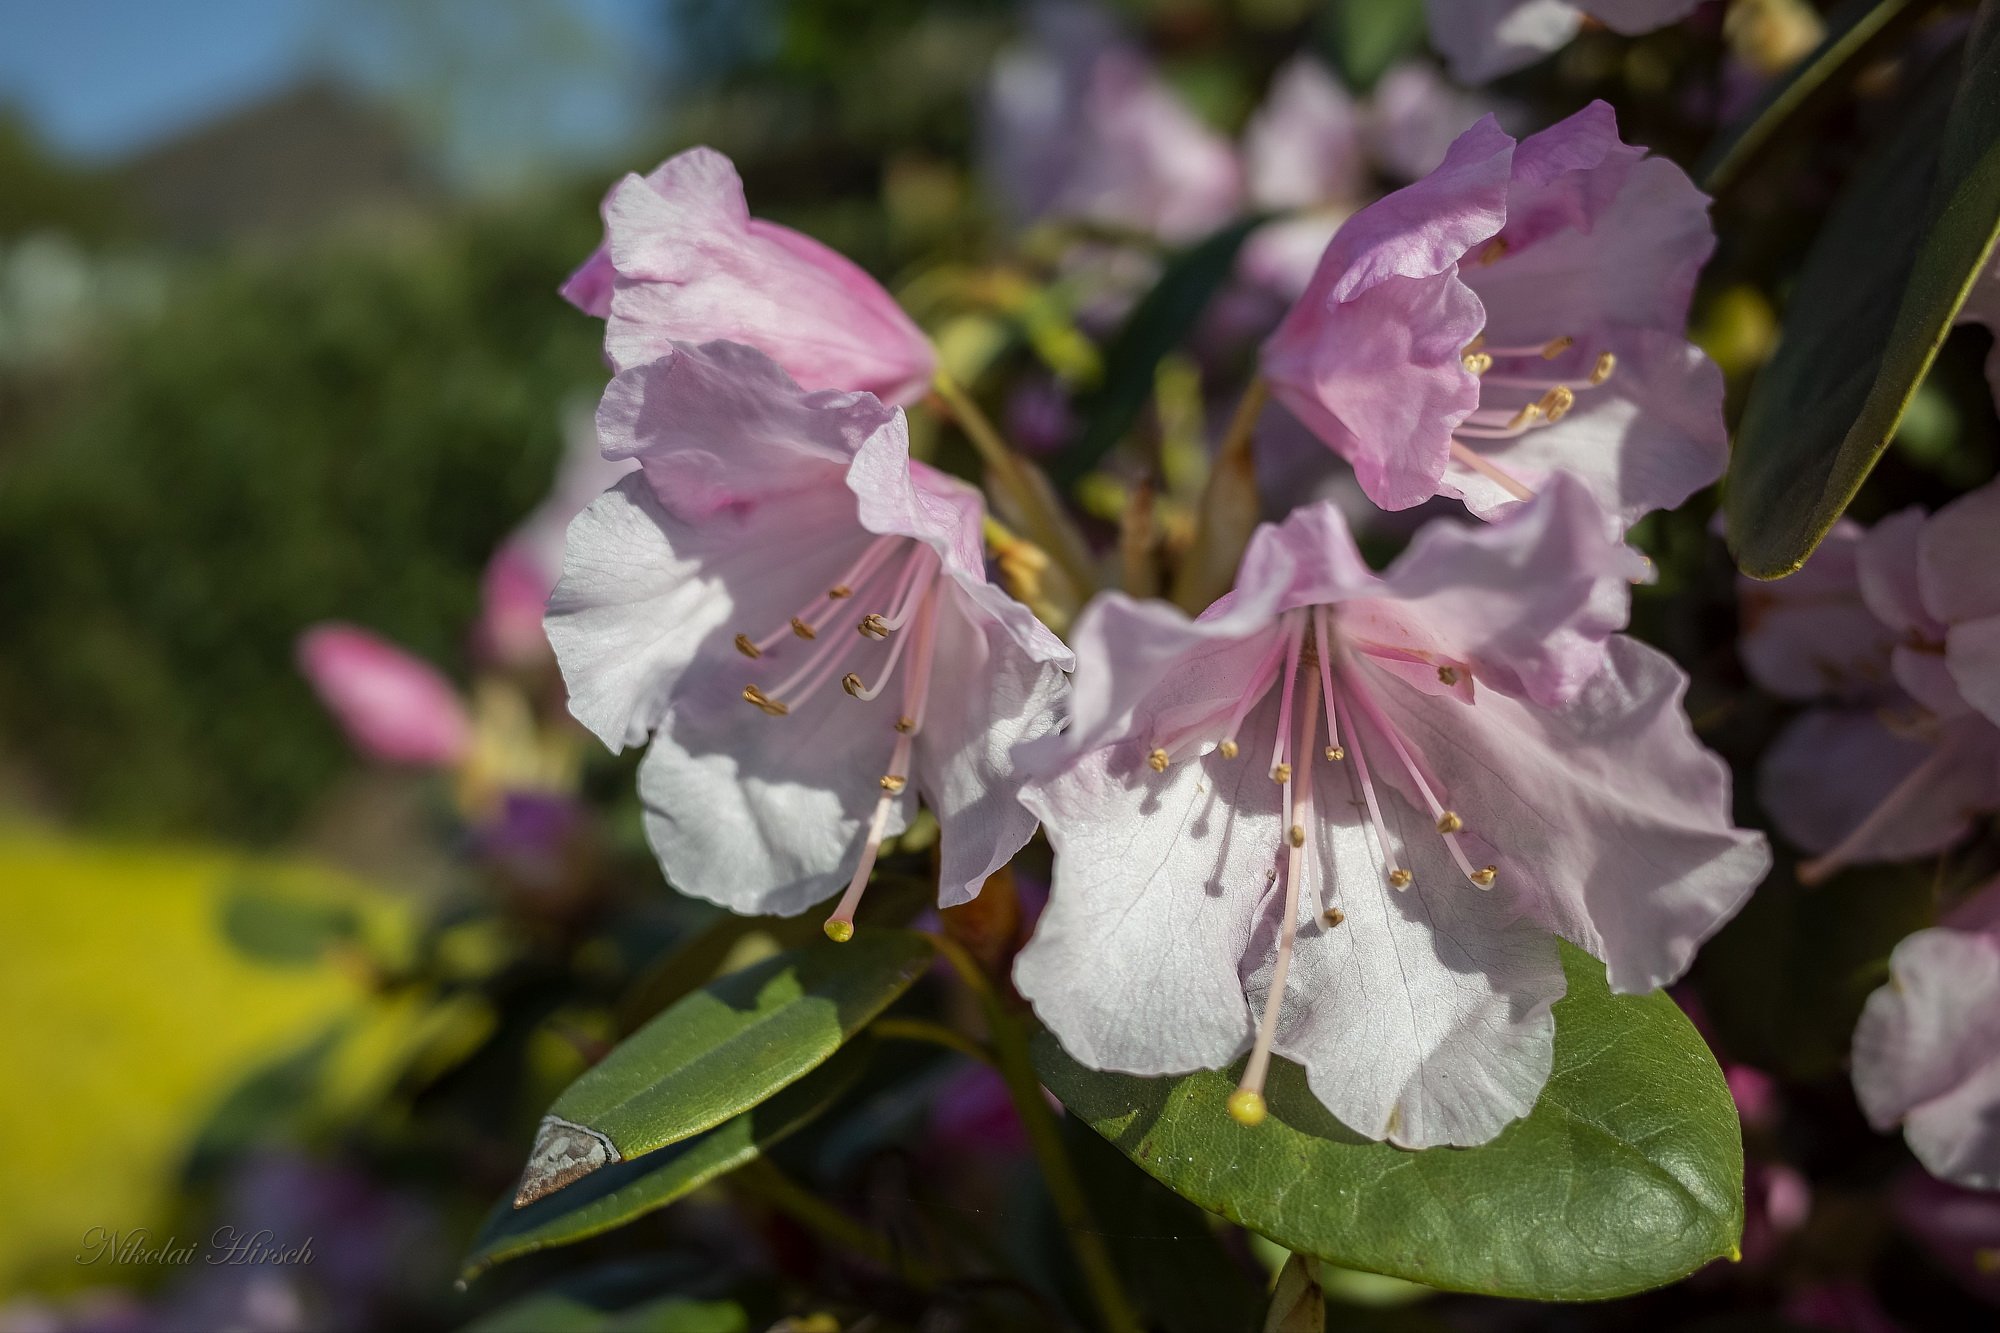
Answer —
(1855, 31)
(1634, 1145)
(1878, 293)
(1155, 327)
(625, 1191)
(720, 1051)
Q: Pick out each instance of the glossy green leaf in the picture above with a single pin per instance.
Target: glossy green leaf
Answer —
(625, 1191)
(551, 1313)
(740, 1038)
(1365, 37)
(1157, 325)
(1855, 31)
(1628, 1175)
(1877, 295)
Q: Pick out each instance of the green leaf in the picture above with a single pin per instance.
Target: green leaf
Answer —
(551, 1313)
(720, 1051)
(1628, 1175)
(625, 1191)
(1365, 37)
(1877, 295)
(1155, 327)
(1854, 31)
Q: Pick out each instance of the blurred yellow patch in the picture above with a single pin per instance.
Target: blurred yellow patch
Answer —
(141, 986)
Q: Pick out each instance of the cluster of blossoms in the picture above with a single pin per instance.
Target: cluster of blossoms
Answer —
(1342, 815)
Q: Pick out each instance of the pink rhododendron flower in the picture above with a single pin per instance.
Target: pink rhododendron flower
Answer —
(1927, 1048)
(1483, 39)
(1078, 125)
(1517, 313)
(1366, 806)
(1900, 627)
(712, 601)
(393, 706)
(1304, 154)
(683, 261)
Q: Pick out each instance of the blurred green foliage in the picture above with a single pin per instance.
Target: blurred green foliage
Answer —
(343, 429)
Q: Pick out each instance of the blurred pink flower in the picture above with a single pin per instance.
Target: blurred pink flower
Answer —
(1483, 39)
(1518, 313)
(683, 260)
(1485, 708)
(1079, 126)
(710, 601)
(973, 1115)
(1927, 1048)
(393, 706)
(1899, 624)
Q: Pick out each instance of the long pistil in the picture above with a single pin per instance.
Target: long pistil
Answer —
(1246, 1104)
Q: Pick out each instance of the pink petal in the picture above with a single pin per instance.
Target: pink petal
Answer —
(1609, 821)
(1811, 635)
(1567, 176)
(1972, 656)
(1927, 1053)
(1958, 565)
(393, 706)
(1889, 568)
(1831, 770)
(1483, 39)
(693, 266)
(1303, 146)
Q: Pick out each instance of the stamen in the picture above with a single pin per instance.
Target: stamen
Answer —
(1447, 675)
(1606, 363)
(1295, 634)
(1495, 251)
(1448, 822)
(803, 630)
(1556, 403)
(1261, 677)
(1478, 363)
(1157, 760)
(1485, 876)
(889, 668)
(852, 684)
(1400, 878)
(1323, 636)
(1555, 347)
(872, 626)
(916, 694)
(756, 697)
(1246, 1104)
(839, 591)
(1525, 418)
(1228, 749)
(814, 613)
(1374, 806)
(1333, 916)
(747, 648)
(1499, 476)
(913, 587)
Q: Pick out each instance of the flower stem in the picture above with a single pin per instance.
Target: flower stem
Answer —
(937, 1034)
(1029, 490)
(762, 1179)
(1010, 1045)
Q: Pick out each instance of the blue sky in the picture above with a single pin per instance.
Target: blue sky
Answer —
(99, 78)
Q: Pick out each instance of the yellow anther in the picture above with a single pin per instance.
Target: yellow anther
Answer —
(893, 782)
(1449, 822)
(1495, 251)
(1333, 916)
(840, 932)
(852, 684)
(1606, 363)
(1557, 402)
(1448, 675)
(1336, 753)
(1477, 344)
(872, 626)
(1485, 876)
(747, 648)
(1281, 773)
(1555, 347)
(1478, 363)
(754, 696)
(1526, 417)
(906, 725)
(1298, 835)
(838, 591)
(1157, 761)
(1400, 878)
(1246, 1107)
(1228, 749)
(803, 630)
